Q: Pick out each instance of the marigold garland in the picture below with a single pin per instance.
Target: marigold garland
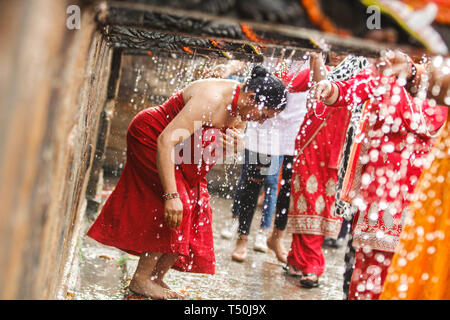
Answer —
(250, 34)
(317, 17)
(187, 49)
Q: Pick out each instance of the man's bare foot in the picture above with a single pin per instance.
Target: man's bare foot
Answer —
(240, 252)
(149, 288)
(274, 244)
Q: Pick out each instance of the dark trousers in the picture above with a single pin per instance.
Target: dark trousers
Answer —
(254, 172)
(349, 260)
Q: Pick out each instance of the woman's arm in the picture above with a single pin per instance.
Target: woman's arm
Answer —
(325, 91)
(439, 80)
(437, 71)
(225, 70)
(232, 141)
(317, 66)
(345, 93)
(180, 128)
(430, 118)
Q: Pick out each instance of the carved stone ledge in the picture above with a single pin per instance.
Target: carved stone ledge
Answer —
(185, 28)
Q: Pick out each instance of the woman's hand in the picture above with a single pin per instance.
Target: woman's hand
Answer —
(323, 91)
(219, 71)
(173, 212)
(317, 66)
(395, 63)
(225, 70)
(233, 139)
(313, 56)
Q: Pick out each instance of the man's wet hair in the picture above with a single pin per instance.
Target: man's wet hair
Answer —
(269, 90)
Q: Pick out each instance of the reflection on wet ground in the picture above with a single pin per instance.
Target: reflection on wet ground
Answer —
(103, 272)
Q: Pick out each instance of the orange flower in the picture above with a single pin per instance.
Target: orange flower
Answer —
(187, 49)
(317, 17)
(248, 32)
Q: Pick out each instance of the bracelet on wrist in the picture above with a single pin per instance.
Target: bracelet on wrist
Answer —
(168, 196)
(413, 72)
(331, 92)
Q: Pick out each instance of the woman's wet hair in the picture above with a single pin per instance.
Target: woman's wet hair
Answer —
(269, 90)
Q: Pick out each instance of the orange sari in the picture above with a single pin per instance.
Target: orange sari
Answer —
(420, 269)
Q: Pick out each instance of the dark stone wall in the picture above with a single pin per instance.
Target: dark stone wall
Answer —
(53, 88)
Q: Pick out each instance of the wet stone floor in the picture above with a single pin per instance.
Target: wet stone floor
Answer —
(102, 272)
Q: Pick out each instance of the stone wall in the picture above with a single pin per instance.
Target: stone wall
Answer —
(53, 89)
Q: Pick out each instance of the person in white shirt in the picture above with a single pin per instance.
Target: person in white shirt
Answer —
(269, 147)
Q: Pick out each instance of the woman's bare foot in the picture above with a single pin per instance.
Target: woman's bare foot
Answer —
(149, 288)
(309, 280)
(161, 283)
(240, 252)
(293, 271)
(274, 243)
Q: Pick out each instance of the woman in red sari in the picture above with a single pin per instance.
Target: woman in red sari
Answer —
(317, 151)
(160, 207)
(385, 163)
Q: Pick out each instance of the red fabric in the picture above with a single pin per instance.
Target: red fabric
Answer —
(395, 151)
(132, 218)
(369, 274)
(337, 118)
(313, 189)
(235, 101)
(300, 83)
(319, 140)
(306, 253)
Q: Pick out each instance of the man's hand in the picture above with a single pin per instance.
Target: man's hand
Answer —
(173, 212)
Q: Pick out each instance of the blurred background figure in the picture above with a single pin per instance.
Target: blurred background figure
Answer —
(419, 269)
(381, 177)
(269, 148)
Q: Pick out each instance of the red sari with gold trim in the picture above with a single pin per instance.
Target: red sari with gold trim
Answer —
(317, 146)
(385, 163)
(317, 151)
(317, 154)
